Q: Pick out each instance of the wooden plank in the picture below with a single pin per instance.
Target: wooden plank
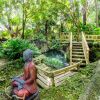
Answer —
(47, 81)
(42, 79)
(64, 77)
(42, 74)
(61, 76)
(42, 84)
(59, 83)
(47, 73)
(66, 69)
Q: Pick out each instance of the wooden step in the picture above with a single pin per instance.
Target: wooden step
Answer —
(81, 53)
(77, 49)
(78, 59)
(83, 63)
(78, 56)
(77, 43)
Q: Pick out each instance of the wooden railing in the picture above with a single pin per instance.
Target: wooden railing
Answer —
(93, 38)
(71, 48)
(65, 37)
(85, 48)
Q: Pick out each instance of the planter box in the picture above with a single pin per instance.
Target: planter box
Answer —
(47, 79)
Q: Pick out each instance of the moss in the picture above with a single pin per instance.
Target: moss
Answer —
(92, 91)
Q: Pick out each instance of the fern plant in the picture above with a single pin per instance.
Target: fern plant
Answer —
(14, 48)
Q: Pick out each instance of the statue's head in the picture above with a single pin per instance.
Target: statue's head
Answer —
(28, 55)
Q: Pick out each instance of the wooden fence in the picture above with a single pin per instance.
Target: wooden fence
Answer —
(65, 37)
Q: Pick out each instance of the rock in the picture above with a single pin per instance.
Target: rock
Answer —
(92, 91)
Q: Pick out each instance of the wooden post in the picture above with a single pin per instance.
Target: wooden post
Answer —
(52, 79)
(71, 48)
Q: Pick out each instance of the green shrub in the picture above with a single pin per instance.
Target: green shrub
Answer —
(94, 51)
(1, 52)
(88, 29)
(55, 44)
(14, 48)
(97, 31)
(53, 62)
(40, 37)
(28, 34)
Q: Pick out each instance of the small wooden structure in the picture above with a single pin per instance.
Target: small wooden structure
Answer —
(47, 79)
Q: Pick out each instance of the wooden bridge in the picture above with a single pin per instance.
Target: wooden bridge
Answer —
(79, 49)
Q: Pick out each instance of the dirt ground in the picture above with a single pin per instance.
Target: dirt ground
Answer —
(2, 62)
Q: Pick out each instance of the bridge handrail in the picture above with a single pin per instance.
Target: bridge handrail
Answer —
(85, 48)
(70, 48)
(93, 37)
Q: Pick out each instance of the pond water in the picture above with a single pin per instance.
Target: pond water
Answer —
(56, 59)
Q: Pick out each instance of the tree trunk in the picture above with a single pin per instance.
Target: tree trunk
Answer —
(96, 7)
(84, 12)
(23, 21)
(46, 29)
(84, 18)
(61, 29)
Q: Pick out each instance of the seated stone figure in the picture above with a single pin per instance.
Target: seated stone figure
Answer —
(26, 84)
